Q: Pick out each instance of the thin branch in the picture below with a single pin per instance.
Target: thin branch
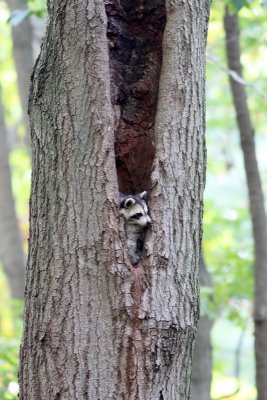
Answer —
(234, 75)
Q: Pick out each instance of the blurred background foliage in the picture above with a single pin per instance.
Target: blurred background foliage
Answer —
(11, 310)
(227, 241)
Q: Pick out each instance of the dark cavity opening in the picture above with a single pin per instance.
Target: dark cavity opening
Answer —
(135, 31)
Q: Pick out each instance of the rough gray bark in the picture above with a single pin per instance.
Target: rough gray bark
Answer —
(256, 202)
(11, 252)
(94, 326)
(70, 324)
(202, 360)
(23, 56)
(176, 198)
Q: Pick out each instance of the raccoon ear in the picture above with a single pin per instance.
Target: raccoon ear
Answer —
(143, 195)
(129, 202)
(123, 197)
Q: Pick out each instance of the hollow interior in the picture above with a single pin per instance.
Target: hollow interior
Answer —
(135, 31)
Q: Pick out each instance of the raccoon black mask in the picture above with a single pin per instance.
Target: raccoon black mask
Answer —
(134, 209)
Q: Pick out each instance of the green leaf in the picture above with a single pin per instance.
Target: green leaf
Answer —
(238, 4)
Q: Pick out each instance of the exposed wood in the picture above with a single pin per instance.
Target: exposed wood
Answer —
(135, 31)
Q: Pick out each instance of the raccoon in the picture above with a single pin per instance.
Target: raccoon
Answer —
(135, 211)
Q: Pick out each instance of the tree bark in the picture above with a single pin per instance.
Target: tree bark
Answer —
(202, 360)
(177, 183)
(23, 56)
(94, 326)
(256, 202)
(11, 251)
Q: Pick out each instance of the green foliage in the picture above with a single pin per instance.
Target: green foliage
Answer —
(228, 248)
(17, 16)
(8, 76)
(236, 5)
(8, 368)
(20, 164)
(36, 4)
(207, 305)
(35, 7)
(228, 245)
(10, 334)
(233, 345)
(227, 241)
(11, 311)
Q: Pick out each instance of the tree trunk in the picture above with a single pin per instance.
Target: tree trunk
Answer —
(23, 56)
(11, 252)
(202, 360)
(256, 202)
(96, 327)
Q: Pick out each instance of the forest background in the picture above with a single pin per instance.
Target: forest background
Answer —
(227, 241)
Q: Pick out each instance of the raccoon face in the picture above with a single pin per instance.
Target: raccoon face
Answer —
(134, 209)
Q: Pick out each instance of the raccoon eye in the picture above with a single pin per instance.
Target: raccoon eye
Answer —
(136, 216)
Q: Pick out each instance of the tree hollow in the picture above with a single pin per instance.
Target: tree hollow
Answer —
(135, 31)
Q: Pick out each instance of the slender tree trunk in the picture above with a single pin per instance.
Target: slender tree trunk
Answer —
(202, 360)
(11, 252)
(95, 327)
(256, 202)
(23, 56)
